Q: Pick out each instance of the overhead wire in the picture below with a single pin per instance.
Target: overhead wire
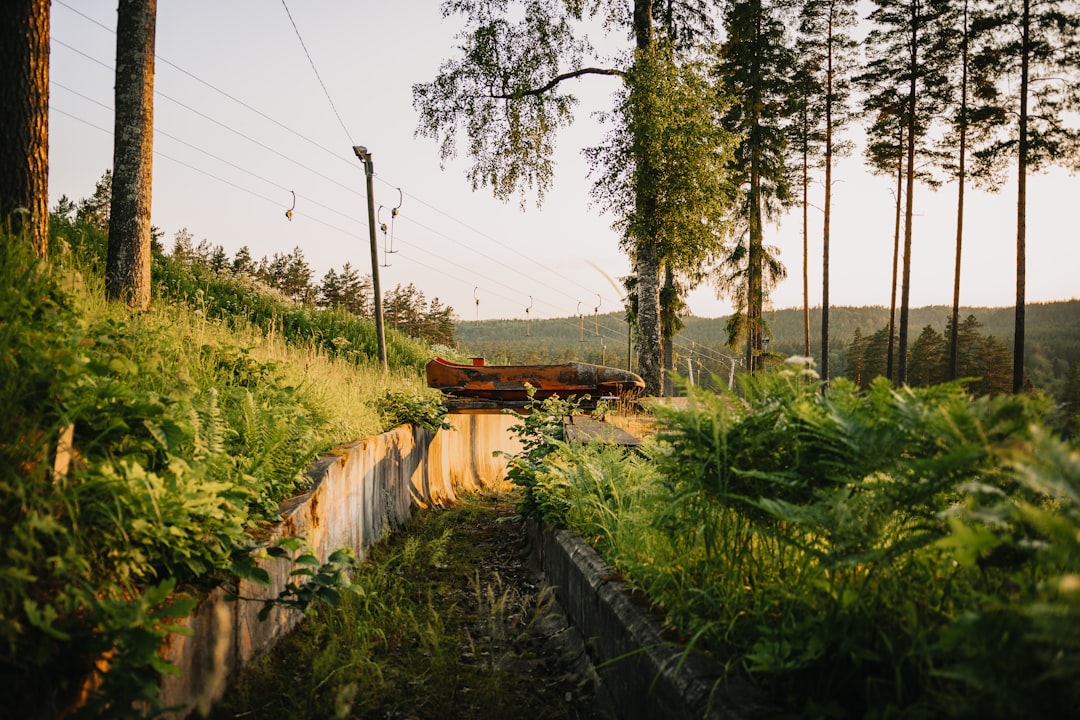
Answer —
(235, 166)
(340, 156)
(702, 350)
(207, 173)
(350, 189)
(317, 75)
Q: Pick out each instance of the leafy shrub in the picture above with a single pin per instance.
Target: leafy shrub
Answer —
(861, 554)
(540, 431)
(136, 453)
(399, 407)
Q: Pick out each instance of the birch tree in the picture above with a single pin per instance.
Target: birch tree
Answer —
(506, 95)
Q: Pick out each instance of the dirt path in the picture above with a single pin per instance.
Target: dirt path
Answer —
(455, 626)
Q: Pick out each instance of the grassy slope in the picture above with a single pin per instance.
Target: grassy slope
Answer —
(138, 449)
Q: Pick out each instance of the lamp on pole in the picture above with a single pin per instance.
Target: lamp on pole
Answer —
(380, 333)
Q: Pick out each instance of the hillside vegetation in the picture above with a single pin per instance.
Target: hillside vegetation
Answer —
(139, 452)
(874, 553)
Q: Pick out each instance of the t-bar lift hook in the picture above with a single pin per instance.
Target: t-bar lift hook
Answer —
(288, 213)
(382, 226)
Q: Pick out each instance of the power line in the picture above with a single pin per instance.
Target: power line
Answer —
(482, 234)
(223, 93)
(209, 154)
(325, 91)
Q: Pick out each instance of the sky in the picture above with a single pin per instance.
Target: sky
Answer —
(243, 119)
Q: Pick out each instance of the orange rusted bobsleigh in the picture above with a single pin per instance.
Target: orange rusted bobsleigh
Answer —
(509, 382)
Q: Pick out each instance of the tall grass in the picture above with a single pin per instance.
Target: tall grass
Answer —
(138, 450)
(860, 554)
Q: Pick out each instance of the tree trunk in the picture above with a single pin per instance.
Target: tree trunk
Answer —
(828, 208)
(896, 248)
(668, 322)
(755, 300)
(24, 121)
(647, 256)
(806, 248)
(127, 267)
(648, 297)
(905, 285)
(954, 335)
(1021, 204)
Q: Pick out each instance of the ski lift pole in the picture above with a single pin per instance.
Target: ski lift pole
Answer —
(380, 333)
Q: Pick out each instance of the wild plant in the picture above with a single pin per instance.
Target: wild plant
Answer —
(136, 453)
(892, 551)
(540, 431)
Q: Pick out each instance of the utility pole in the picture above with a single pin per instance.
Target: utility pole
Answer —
(369, 171)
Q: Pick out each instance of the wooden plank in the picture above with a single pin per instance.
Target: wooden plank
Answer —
(585, 428)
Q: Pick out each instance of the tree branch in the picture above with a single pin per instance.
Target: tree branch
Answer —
(558, 79)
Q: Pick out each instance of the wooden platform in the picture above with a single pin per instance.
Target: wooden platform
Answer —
(586, 428)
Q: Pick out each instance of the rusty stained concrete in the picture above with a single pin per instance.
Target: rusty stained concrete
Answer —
(361, 492)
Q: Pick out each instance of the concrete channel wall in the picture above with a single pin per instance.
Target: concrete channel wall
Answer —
(359, 494)
(641, 675)
(366, 489)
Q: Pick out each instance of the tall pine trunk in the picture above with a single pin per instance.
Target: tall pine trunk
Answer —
(828, 206)
(127, 267)
(24, 120)
(896, 249)
(905, 284)
(954, 332)
(806, 247)
(1021, 203)
(755, 299)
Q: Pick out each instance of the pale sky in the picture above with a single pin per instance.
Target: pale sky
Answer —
(225, 170)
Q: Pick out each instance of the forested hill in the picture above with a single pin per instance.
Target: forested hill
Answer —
(1053, 335)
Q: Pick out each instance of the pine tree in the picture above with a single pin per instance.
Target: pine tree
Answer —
(828, 57)
(94, 210)
(243, 264)
(218, 261)
(127, 265)
(183, 249)
(24, 120)
(901, 64)
(356, 292)
(754, 68)
(1030, 48)
(330, 290)
(927, 358)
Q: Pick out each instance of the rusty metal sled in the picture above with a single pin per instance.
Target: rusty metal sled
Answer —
(511, 382)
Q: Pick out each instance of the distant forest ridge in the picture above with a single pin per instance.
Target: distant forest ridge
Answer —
(1053, 334)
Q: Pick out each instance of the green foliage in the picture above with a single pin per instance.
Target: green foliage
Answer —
(427, 412)
(242, 302)
(137, 451)
(540, 431)
(860, 553)
(493, 94)
(314, 581)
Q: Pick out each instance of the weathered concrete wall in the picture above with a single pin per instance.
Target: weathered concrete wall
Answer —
(642, 676)
(360, 493)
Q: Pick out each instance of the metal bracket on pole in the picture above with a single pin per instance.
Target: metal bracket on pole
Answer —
(380, 333)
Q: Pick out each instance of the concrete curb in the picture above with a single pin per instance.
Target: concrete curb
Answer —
(641, 675)
(360, 493)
